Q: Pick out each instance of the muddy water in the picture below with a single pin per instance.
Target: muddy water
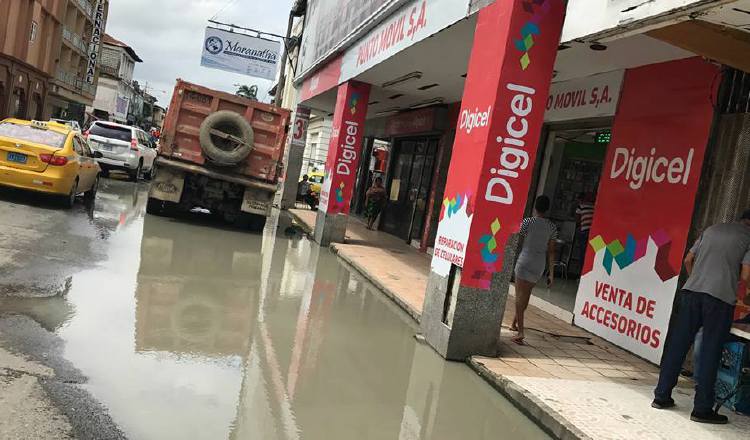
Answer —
(189, 330)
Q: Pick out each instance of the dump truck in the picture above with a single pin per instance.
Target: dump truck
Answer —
(219, 152)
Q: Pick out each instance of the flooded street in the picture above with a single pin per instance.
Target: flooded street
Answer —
(188, 329)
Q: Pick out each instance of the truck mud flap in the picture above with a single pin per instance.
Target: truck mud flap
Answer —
(167, 185)
(256, 202)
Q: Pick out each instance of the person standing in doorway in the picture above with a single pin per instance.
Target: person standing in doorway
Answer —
(537, 254)
(715, 262)
(375, 200)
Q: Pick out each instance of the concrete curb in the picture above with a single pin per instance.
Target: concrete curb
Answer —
(540, 413)
(548, 419)
(299, 221)
(416, 315)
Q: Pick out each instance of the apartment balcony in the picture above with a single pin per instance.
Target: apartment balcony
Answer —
(75, 41)
(113, 71)
(85, 6)
(72, 82)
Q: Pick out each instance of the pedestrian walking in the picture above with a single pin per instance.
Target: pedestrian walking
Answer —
(715, 262)
(375, 199)
(584, 220)
(537, 252)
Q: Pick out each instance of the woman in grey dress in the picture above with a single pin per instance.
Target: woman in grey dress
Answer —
(537, 252)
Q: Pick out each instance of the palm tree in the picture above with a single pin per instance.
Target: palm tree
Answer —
(250, 92)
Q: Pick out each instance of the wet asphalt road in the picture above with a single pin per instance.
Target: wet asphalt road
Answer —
(161, 328)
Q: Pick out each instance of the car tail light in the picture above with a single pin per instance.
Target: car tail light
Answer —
(53, 160)
(134, 144)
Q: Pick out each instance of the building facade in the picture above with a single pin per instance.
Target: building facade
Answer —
(483, 105)
(29, 48)
(47, 48)
(116, 94)
(73, 85)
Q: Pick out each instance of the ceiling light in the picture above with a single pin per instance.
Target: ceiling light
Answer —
(402, 79)
(597, 47)
(428, 103)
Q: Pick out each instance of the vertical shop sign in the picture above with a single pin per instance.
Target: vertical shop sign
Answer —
(499, 126)
(345, 148)
(299, 129)
(645, 204)
(96, 41)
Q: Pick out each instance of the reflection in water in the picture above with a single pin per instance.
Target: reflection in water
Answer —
(192, 296)
(223, 334)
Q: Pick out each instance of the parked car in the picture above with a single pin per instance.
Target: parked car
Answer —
(70, 123)
(123, 148)
(47, 157)
(219, 152)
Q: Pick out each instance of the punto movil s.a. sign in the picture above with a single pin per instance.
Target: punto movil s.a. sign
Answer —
(241, 53)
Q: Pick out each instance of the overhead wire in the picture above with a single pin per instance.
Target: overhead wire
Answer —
(226, 5)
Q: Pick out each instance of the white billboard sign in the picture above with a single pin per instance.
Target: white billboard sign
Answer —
(240, 53)
(580, 98)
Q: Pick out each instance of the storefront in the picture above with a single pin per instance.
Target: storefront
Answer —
(626, 128)
(23, 91)
(576, 135)
(406, 150)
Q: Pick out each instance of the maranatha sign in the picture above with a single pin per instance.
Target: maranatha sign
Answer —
(240, 53)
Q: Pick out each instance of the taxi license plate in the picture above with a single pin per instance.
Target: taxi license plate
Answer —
(17, 157)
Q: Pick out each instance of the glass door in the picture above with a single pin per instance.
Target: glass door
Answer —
(409, 188)
(397, 214)
(422, 186)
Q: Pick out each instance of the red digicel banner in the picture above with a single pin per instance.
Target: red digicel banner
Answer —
(499, 126)
(645, 204)
(345, 148)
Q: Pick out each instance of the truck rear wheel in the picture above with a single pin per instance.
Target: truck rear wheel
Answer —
(252, 222)
(159, 207)
(226, 137)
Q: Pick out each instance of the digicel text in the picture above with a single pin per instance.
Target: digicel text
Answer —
(640, 169)
(512, 156)
(348, 149)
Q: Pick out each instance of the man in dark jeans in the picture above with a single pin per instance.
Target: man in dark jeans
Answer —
(714, 264)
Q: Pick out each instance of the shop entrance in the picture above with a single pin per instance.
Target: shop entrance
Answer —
(569, 176)
(409, 187)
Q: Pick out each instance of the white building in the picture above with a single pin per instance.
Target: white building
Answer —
(115, 92)
(316, 148)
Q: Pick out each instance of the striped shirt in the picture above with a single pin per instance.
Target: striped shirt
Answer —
(537, 233)
(585, 213)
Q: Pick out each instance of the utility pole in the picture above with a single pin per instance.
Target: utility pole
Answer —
(298, 9)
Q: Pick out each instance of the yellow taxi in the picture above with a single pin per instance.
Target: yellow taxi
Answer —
(47, 157)
(316, 181)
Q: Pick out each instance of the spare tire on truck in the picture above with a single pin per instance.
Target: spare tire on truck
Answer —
(226, 137)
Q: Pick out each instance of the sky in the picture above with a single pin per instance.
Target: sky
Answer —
(168, 36)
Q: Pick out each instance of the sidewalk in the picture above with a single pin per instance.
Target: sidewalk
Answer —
(572, 383)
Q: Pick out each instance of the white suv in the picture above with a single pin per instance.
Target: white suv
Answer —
(124, 148)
